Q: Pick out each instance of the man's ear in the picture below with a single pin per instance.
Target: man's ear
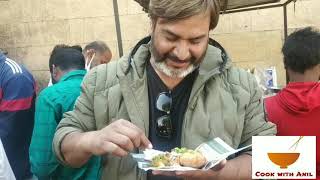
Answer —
(54, 70)
(90, 53)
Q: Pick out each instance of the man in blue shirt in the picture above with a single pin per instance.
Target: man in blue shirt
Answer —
(17, 95)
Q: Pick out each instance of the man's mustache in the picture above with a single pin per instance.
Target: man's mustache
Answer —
(173, 57)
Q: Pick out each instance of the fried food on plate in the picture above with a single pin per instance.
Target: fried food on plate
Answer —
(192, 159)
(179, 156)
(166, 159)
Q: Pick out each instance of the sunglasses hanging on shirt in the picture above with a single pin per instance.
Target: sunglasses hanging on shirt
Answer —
(164, 123)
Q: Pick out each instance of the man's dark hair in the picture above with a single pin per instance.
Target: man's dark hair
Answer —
(57, 47)
(99, 46)
(301, 50)
(77, 47)
(67, 59)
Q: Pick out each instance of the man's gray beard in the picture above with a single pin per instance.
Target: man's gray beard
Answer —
(173, 73)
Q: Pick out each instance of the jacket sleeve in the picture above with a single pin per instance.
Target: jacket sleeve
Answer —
(43, 161)
(17, 96)
(16, 93)
(254, 122)
(81, 119)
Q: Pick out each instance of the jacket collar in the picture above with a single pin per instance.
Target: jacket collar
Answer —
(73, 74)
(215, 61)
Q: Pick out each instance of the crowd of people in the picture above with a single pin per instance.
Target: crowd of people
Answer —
(28, 123)
(176, 88)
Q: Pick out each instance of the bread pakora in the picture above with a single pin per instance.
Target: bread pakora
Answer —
(179, 156)
(192, 159)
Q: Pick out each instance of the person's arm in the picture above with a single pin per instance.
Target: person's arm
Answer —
(77, 139)
(43, 161)
(17, 93)
(73, 154)
(254, 122)
(254, 125)
(118, 138)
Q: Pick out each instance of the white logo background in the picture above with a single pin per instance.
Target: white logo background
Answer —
(262, 145)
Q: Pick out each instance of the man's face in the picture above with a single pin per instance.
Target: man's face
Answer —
(178, 47)
(97, 57)
(101, 58)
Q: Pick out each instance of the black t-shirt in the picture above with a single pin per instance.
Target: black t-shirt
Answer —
(180, 98)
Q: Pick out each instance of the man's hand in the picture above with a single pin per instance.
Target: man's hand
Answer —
(118, 138)
(197, 174)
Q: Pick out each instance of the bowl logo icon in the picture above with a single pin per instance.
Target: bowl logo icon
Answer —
(283, 159)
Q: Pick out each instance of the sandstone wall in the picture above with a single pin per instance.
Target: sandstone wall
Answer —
(29, 30)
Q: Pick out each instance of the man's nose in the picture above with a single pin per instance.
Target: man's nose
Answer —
(182, 51)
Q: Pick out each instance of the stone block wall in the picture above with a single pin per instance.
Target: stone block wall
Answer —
(254, 39)
(30, 29)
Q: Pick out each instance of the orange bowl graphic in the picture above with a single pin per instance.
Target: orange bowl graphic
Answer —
(283, 159)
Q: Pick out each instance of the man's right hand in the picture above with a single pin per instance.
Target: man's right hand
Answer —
(118, 138)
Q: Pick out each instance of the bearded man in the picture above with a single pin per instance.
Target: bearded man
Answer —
(177, 88)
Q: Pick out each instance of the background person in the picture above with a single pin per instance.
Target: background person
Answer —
(17, 96)
(54, 50)
(96, 53)
(67, 70)
(296, 108)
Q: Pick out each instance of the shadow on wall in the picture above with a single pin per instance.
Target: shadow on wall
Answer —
(42, 78)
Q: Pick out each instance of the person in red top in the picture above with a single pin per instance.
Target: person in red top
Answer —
(296, 108)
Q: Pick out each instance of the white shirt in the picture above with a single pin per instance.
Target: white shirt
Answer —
(6, 172)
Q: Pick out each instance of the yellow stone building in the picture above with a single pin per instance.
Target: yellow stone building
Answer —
(30, 28)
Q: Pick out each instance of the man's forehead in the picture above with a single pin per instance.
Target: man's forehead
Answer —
(201, 19)
(194, 26)
(102, 53)
(163, 20)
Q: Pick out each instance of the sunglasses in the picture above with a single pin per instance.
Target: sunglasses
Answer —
(163, 123)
